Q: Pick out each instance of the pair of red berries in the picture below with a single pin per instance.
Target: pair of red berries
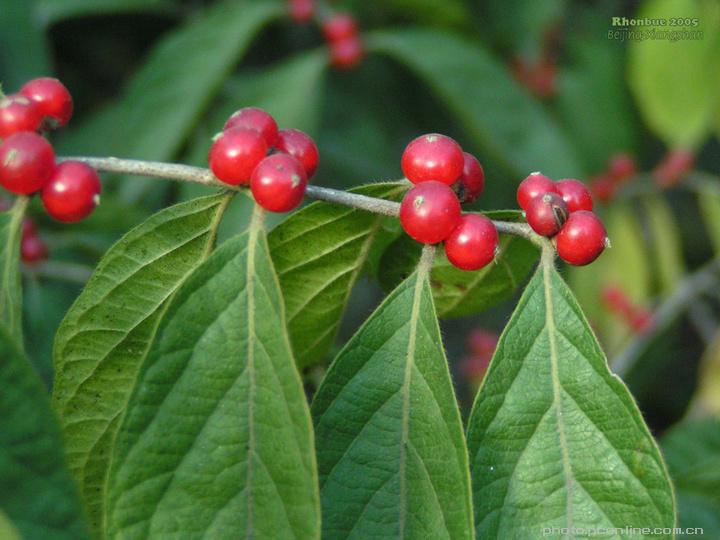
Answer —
(563, 210)
(239, 155)
(620, 168)
(70, 191)
(636, 317)
(430, 212)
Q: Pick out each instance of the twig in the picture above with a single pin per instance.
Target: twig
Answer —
(62, 271)
(688, 290)
(199, 175)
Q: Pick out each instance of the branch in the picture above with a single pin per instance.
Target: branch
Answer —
(688, 290)
(199, 175)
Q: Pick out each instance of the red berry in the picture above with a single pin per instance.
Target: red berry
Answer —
(28, 227)
(235, 154)
(26, 163)
(575, 194)
(673, 167)
(33, 249)
(339, 27)
(582, 239)
(278, 183)
(300, 146)
(473, 243)
(603, 188)
(547, 214)
(301, 11)
(482, 342)
(621, 167)
(433, 157)
(51, 96)
(472, 181)
(72, 192)
(534, 185)
(429, 212)
(346, 53)
(256, 119)
(18, 113)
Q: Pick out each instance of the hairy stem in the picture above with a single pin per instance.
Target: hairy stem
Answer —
(199, 175)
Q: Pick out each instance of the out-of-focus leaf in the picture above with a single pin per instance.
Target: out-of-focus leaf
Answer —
(391, 452)
(49, 12)
(7, 529)
(458, 293)
(10, 284)
(165, 98)
(675, 82)
(519, 25)
(501, 118)
(217, 440)
(593, 103)
(709, 202)
(319, 253)
(707, 395)
(38, 494)
(106, 334)
(448, 13)
(555, 439)
(692, 452)
(666, 245)
(23, 47)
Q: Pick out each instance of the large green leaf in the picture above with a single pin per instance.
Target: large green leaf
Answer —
(675, 81)
(217, 440)
(709, 202)
(165, 98)
(38, 495)
(50, 12)
(10, 283)
(666, 243)
(555, 439)
(319, 253)
(105, 336)
(23, 47)
(500, 117)
(391, 451)
(692, 451)
(458, 293)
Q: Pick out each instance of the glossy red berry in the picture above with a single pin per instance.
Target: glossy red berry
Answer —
(52, 98)
(473, 243)
(472, 182)
(575, 194)
(339, 27)
(300, 146)
(33, 250)
(301, 11)
(546, 214)
(278, 183)
(582, 239)
(534, 185)
(621, 167)
(433, 157)
(26, 163)
(429, 212)
(72, 193)
(18, 113)
(235, 154)
(256, 119)
(346, 53)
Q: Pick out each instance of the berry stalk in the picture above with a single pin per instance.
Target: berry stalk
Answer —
(200, 175)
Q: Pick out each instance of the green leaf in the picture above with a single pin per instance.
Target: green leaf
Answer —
(105, 336)
(38, 495)
(707, 396)
(50, 12)
(675, 81)
(666, 245)
(319, 253)
(709, 202)
(519, 24)
(692, 451)
(23, 48)
(7, 529)
(10, 283)
(458, 293)
(491, 107)
(217, 440)
(555, 439)
(391, 451)
(166, 97)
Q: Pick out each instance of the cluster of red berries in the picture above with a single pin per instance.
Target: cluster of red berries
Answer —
(276, 163)
(430, 212)
(340, 30)
(638, 318)
(563, 210)
(539, 76)
(480, 347)
(70, 191)
(673, 167)
(620, 168)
